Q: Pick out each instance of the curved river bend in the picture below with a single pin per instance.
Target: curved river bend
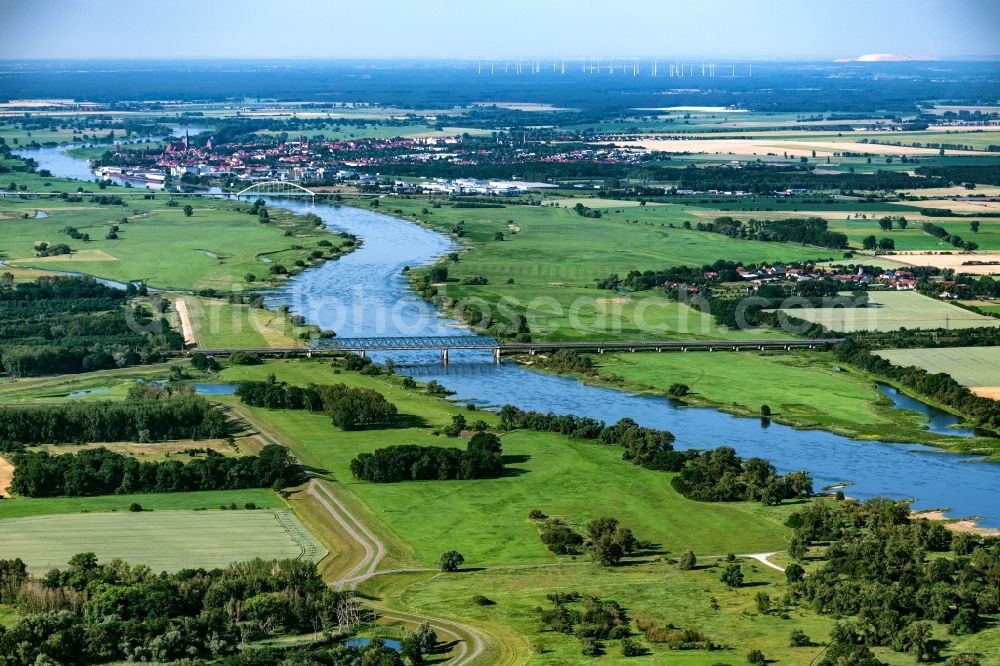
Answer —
(366, 294)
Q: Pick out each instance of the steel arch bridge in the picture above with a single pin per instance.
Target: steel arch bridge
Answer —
(277, 188)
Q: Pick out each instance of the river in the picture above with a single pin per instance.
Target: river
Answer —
(365, 294)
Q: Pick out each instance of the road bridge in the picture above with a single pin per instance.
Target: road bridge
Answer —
(446, 343)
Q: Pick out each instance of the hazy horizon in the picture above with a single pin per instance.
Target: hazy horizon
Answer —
(782, 30)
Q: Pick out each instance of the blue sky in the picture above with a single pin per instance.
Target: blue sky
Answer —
(511, 28)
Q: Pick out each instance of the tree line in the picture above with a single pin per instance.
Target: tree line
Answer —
(103, 472)
(150, 414)
(482, 458)
(764, 179)
(942, 233)
(349, 408)
(986, 174)
(807, 231)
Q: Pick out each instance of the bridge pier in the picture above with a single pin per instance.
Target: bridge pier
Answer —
(361, 353)
(444, 357)
(496, 355)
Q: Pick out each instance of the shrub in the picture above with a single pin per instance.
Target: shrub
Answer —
(756, 657)
(135, 507)
(687, 561)
(631, 648)
(481, 600)
(451, 560)
(798, 638)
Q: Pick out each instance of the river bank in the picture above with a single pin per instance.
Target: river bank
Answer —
(883, 419)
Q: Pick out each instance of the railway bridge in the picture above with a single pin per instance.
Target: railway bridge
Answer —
(446, 343)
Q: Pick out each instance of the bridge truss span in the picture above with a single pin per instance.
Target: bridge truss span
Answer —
(403, 343)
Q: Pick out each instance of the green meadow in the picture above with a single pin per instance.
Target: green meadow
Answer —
(220, 324)
(28, 507)
(804, 389)
(658, 590)
(216, 247)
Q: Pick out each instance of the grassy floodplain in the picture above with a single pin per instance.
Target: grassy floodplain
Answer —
(220, 324)
(560, 297)
(802, 389)
(487, 520)
(216, 247)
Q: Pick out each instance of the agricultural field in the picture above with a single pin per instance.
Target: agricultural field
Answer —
(890, 310)
(795, 147)
(970, 366)
(335, 132)
(163, 540)
(216, 247)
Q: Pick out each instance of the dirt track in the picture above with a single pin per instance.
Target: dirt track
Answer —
(6, 476)
(186, 328)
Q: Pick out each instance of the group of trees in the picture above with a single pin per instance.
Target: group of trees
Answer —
(607, 539)
(807, 231)
(348, 407)
(646, 447)
(719, 475)
(103, 472)
(68, 324)
(92, 612)
(150, 414)
(876, 569)
(939, 387)
(590, 619)
(482, 458)
(954, 239)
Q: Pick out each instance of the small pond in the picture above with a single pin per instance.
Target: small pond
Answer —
(81, 394)
(214, 389)
(362, 642)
